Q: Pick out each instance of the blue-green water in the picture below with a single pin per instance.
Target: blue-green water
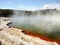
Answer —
(47, 26)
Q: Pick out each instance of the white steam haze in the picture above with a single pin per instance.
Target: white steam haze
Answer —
(46, 22)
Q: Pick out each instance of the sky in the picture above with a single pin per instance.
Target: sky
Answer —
(29, 4)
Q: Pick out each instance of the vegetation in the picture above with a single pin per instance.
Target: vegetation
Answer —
(9, 12)
(28, 13)
(6, 12)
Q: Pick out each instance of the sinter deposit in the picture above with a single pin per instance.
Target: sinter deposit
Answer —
(13, 36)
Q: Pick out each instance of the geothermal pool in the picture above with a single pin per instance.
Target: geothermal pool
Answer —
(43, 25)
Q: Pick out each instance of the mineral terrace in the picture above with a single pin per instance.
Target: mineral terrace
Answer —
(14, 36)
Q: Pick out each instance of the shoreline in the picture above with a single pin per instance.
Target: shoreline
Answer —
(14, 36)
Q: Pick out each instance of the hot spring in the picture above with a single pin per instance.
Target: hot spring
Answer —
(47, 25)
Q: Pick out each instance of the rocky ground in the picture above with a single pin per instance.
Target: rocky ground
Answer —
(14, 36)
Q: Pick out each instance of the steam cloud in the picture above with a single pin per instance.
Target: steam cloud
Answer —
(46, 22)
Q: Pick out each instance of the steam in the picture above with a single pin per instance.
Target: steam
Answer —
(46, 22)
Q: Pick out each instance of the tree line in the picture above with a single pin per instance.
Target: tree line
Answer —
(6, 12)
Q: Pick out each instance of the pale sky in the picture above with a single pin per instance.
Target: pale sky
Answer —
(29, 4)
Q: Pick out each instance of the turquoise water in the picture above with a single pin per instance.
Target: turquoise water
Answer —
(47, 26)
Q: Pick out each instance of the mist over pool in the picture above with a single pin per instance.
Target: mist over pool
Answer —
(46, 25)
